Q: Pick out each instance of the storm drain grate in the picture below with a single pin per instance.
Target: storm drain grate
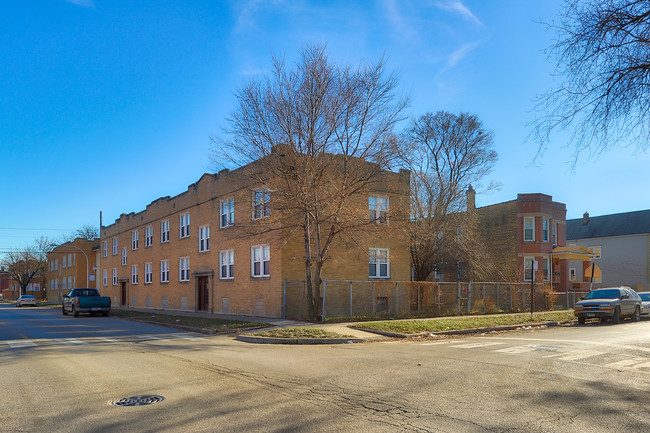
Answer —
(139, 400)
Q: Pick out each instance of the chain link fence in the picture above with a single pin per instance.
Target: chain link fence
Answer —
(381, 299)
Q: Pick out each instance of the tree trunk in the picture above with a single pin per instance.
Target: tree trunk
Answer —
(311, 305)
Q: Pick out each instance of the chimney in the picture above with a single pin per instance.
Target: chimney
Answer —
(585, 218)
(471, 198)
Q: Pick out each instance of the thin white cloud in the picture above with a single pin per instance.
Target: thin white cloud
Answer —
(458, 7)
(82, 3)
(400, 24)
(460, 53)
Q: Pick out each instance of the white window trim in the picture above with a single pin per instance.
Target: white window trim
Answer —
(148, 273)
(184, 226)
(148, 236)
(164, 271)
(378, 217)
(261, 209)
(115, 247)
(134, 274)
(124, 257)
(135, 240)
(593, 250)
(229, 213)
(533, 229)
(115, 276)
(377, 264)
(545, 232)
(184, 269)
(229, 266)
(204, 238)
(104, 278)
(164, 232)
(262, 249)
(572, 274)
(105, 248)
(526, 277)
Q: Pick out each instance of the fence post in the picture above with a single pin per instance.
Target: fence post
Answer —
(418, 297)
(351, 299)
(512, 303)
(459, 293)
(373, 300)
(284, 301)
(324, 287)
(498, 308)
(469, 298)
(484, 309)
(396, 298)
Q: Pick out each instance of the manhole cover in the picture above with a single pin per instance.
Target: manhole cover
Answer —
(139, 400)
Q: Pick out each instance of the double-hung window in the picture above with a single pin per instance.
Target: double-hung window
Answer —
(226, 264)
(104, 277)
(148, 273)
(105, 248)
(164, 231)
(184, 269)
(115, 276)
(261, 203)
(164, 271)
(135, 239)
(204, 238)
(148, 236)
(123, 256)
(379, 263)
(545, 237)
(65, 262)
(528, 268)
(115, 248)
(529, 229)
(227, 213)
(185, 225)
(261, 261)
(378, 208)
(134, 274)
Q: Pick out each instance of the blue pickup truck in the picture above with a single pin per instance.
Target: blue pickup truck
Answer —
(86, 301)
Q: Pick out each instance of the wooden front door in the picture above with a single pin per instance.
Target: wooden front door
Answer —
(203, 294)
(123, 291)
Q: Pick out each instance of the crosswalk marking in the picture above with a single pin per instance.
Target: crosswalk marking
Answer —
(144, 339)
(70, 341)
(575, 356)
(623, 363)
(516, 349)
(20, 343)
(475, 345)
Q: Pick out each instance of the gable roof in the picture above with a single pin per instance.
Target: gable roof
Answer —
(620, 224)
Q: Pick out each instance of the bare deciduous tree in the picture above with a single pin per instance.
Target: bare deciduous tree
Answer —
(603, 61)
(447, 153)
(24, 265)
(87, 231)
(322, 133)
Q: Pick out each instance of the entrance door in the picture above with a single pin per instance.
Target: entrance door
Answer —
(203, 294)
(123, 297)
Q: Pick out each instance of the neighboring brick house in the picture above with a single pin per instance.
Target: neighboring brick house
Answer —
(216, 247)
(69, 265)
(621, 247)
(521, 231)
(4, 283)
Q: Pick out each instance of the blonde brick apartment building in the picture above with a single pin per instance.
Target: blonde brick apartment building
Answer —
(220, 247)
(69, 265)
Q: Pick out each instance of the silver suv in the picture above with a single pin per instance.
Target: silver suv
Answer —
(609, 303)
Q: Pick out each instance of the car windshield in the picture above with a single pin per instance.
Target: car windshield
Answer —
(645, 296)
(603, 294)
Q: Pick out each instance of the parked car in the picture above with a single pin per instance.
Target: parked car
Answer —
(85, 301)
(645, 299)
(609, 303)
(26, 300)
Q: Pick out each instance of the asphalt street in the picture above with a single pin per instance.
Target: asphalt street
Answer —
(571, 379)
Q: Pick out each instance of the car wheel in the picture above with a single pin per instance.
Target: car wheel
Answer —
(65, 313)
(637, 314)
(17, 305)
(581, 320)
(616, 318)
(75, 313)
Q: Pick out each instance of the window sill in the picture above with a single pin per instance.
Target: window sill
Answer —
(260, 277)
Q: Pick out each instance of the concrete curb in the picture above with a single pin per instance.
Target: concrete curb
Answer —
(274, 340)
(455, 332)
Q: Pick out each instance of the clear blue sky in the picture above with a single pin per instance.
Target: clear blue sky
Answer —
(107, 105)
